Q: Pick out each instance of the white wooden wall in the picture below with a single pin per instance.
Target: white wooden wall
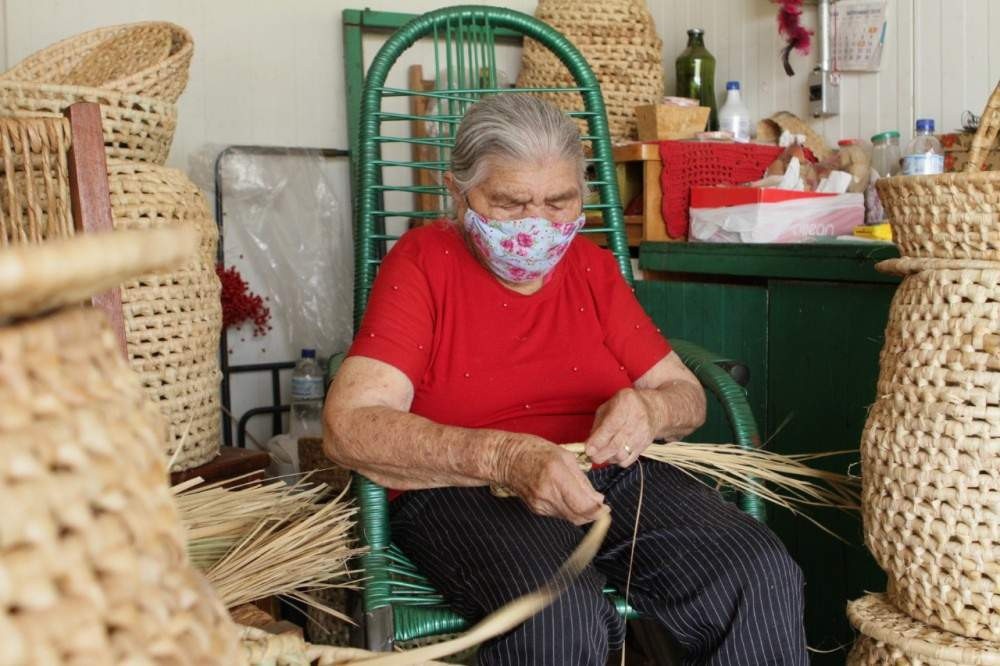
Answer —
(270, 71)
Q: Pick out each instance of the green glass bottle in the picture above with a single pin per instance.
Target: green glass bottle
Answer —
(696, 75)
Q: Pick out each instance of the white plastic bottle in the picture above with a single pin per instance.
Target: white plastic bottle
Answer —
(734, 117)
(924, 156)
(307, 397)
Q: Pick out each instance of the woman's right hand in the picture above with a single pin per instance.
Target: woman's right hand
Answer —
(549, 480)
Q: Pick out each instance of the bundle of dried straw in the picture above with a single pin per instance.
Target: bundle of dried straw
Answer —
(266, 538)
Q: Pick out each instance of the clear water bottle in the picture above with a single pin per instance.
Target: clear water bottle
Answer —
(735, 116)
(924, 156)
(885, 154)
(307, 397)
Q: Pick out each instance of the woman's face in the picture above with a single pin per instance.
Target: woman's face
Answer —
(548, 188)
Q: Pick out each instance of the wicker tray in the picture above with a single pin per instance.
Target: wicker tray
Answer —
(890, 638)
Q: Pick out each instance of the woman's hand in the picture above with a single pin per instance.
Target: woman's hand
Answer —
(623, 427)
(549, 480)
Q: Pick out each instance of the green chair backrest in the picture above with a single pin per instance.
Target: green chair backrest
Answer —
(464, 40)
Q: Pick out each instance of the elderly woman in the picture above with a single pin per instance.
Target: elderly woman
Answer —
(493, 338)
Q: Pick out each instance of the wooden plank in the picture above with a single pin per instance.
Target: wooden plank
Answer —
(230, 463)
(90, 198)
(420, 152)
(848, 262)
(653, 226)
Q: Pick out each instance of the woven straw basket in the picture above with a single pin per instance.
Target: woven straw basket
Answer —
(954, 215)
(135, 128)
(173, 320)
(92, 552)
(34, 180)
(150, 59)
(619, 40)
(890, 638)
(931, 445)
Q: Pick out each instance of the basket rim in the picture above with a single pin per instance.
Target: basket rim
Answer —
(868, 615)
(903, 266)
(103, 33)
(115, 97)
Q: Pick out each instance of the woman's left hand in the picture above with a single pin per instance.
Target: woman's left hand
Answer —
(623, 427)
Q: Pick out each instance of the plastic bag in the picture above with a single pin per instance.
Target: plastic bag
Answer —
(287, 225)
(795, 221)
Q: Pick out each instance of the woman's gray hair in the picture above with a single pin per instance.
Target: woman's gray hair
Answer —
(512, 126)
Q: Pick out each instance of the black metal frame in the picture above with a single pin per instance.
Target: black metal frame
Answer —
(276, 409)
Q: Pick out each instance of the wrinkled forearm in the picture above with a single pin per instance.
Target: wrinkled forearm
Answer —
(408, 452)
(676, 409)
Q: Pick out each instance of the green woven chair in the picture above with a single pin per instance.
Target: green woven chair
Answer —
(400, 606)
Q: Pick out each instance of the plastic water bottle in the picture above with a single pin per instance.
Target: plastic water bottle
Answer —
(924, 155)
(735, 116)
(307, 397)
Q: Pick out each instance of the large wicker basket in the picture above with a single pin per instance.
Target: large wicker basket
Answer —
(135, 128)
(619, 40)
(92, 554)
(931, 445)
(890, 638)
(150, 59)
(173, 320)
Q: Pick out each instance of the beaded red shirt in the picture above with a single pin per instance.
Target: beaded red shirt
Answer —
(483, 356)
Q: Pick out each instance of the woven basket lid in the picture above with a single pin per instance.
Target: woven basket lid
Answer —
(875, 617)
(37, 278)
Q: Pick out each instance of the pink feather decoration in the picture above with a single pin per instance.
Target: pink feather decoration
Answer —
(797, 37)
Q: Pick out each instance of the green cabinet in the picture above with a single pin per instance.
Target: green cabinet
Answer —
(808, 320)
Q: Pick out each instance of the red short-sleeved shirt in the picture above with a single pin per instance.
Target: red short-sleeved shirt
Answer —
(482, 356)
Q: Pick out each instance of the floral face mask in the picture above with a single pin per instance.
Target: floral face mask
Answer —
(521, 250)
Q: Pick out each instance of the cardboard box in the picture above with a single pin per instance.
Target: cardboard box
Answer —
(659, 122)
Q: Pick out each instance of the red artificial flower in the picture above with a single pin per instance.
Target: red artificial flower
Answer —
(797, 37)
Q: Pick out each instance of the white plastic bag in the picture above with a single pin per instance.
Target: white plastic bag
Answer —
(795, 221)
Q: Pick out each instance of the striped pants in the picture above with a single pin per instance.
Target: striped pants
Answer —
(720, 582)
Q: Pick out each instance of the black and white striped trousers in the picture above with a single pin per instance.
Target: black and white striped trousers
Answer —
(720, 582)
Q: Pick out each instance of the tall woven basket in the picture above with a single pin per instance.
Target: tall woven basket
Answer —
(619, 40)
(173, 320)
(931, 444)
(92, 549)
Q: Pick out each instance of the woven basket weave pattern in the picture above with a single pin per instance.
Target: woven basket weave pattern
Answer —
(173, 320)
(150, 59)
(92, 548)
(931, 451)
(135, 128)
(619, 40)
(34, 180)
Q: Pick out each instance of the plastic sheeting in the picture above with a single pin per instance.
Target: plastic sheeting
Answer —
(288, 230)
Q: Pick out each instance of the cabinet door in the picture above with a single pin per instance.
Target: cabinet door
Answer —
(729, 319)
(823, 348)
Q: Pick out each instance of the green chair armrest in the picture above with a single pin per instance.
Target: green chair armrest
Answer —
(734, 402)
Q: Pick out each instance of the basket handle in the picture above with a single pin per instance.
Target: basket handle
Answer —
(986, 135)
